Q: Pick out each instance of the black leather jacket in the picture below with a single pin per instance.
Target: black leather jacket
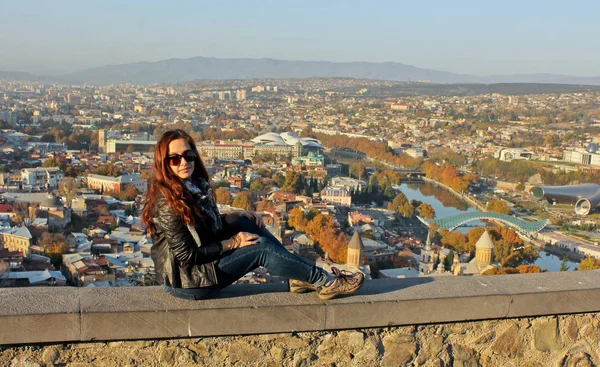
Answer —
(178, 260)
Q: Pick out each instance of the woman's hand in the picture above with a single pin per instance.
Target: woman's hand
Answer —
(241, 239)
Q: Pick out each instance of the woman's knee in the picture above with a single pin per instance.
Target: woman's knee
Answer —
(244, 224)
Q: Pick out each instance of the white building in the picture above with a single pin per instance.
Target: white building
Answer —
(42, 177)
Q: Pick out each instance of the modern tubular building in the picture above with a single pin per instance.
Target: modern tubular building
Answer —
(585, 196)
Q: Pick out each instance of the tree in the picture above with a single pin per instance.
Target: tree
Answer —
(407, 210)
(358, 170)
(130, 193)
(294, 183)
(223, 183)
(223, 196)
(68, 187)
(398, 202)
(426, 211)
(589, 263)
(242, 201)
(4, 268)
(54, 162)
(297, 220)
(449, 261)
(264, 172)
(265, 205)
(54, 245)
(498, 206)
(563, 264)
(256, 185)
(520, 187)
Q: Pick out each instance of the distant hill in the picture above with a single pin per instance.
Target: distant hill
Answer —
(23, 76)
(209, 68)
(181, 70)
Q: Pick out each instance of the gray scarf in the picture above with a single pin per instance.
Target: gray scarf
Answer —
(202, 194)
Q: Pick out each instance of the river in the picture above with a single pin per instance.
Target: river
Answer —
(447, 204)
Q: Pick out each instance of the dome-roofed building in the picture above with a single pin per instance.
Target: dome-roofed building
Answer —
(291, 139)
(484, 254)
(51, 202)
(54, 210)
(484, 249)
(355, 248)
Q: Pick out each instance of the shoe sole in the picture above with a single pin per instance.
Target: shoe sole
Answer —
(326, 297)
(301, 290)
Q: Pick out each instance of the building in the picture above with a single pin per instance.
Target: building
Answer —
(586, 197)
(587, 157)
(509, 154)
(42, 177)
(426, 259)
(54, 210)
(310, 160)
(348, 183)
(416, 152)
(116, 184)
(355, 248)
(133, 146)
(338, 196)
(16, 239)
(484, 254)
(44, 148)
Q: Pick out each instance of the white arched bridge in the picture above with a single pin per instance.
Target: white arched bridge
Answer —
(455, 221)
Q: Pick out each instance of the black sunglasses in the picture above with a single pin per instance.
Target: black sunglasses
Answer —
(175, 159)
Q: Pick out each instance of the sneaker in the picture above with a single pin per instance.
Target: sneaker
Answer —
(345, 283)
(297, 286)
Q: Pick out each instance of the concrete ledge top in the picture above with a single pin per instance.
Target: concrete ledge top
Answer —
(78, 314)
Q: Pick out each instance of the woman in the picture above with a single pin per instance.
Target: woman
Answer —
(197, 251)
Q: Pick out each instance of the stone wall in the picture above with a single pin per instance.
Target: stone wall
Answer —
(566, 340)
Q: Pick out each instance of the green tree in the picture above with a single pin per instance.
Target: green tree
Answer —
(54, 162)
(256, 185)
(242, 201)
(449, 260)
(563, 264)
(294, 183)
(222, 183)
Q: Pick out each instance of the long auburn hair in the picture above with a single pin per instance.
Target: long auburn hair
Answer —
(165, 182)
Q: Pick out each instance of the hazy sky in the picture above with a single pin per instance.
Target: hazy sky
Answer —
(475, 37)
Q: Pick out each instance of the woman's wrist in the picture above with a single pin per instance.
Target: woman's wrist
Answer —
(226, 245)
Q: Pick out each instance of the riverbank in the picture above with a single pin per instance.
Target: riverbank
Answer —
(466, 198)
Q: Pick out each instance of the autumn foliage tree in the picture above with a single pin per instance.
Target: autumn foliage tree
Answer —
(379, 150)
(223, 196)
(322, 230)
(589, 263)
(242, 201)
(401, 206)
(426, 211)
(448, 175)
(54, 245)
(498, 206)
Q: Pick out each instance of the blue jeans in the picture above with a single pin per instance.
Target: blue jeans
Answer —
(268, 252)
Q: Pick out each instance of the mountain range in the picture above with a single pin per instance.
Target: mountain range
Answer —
(182, 70)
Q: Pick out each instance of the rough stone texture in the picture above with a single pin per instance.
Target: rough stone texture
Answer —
(563, 340)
